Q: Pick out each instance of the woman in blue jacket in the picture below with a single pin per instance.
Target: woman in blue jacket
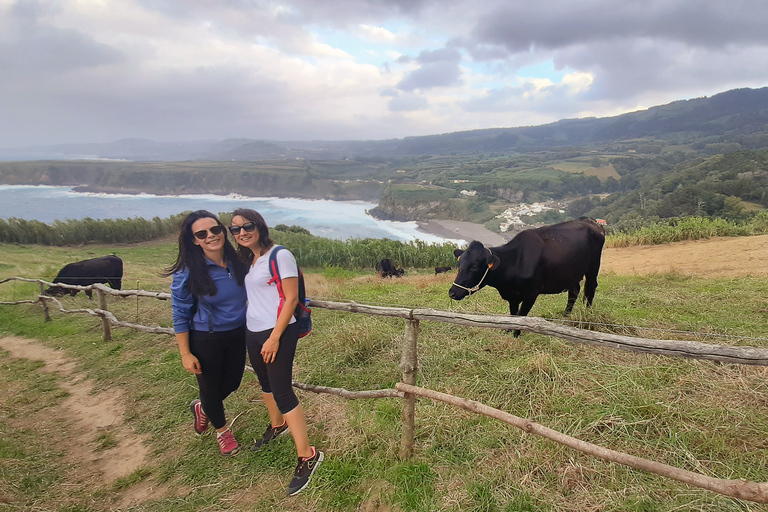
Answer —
(209, 304)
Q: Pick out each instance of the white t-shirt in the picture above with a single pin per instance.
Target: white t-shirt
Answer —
(263, 298)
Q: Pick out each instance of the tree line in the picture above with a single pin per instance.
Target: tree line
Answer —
(87, 230)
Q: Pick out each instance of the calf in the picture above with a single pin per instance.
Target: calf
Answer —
(384, 268)
(547, 260)
(106, 269)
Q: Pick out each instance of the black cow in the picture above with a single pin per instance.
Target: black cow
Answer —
(441, 270)
(384, 268)
(106, 269)
(546, 260)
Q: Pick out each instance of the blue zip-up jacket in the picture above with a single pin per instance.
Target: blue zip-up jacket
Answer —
(228, 305)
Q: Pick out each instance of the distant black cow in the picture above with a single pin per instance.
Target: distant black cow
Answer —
(106, 269)
(441, 270)
(384, 268)
(546, 260)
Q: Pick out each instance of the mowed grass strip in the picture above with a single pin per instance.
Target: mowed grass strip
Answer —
(698, 415)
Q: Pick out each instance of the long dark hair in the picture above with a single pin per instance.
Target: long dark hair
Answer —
(191, 256)
(265, 242)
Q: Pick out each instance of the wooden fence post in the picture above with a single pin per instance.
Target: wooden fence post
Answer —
(45, 303)
(409, 364)
(104, 320)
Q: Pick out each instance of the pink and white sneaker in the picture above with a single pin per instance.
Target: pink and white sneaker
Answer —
(201, 420)
(227, 443)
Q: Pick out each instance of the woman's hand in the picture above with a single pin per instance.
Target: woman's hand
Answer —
(270, 348)
(191, 363)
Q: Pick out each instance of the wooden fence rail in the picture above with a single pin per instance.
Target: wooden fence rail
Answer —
(671, 348)
(741, 489)
(407, 390)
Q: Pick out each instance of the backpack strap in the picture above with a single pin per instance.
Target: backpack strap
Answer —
(275, 271)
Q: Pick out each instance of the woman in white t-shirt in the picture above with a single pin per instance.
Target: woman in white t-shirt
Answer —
(271, 338)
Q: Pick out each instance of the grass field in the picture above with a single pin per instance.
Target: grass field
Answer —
(584, 165)
(701, 416)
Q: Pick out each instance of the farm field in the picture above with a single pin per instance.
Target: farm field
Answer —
(88, 425)
(714, 257)
(584, 165)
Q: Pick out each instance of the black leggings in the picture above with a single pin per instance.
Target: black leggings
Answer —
(222, 359)
(275, 377)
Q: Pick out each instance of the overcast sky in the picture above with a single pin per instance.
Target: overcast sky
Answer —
(179, 70)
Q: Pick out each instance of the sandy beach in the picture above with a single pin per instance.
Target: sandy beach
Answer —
(463, 232)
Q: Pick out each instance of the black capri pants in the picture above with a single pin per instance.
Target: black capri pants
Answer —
(276, 377)
(222, 359)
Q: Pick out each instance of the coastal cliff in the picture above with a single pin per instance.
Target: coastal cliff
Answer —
(406, 202)
(275, 179)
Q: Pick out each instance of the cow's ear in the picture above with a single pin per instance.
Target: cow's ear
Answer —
(494, 263)
(458, 253)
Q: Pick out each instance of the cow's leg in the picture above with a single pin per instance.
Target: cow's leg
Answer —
(514, 308)
(72, 292)
(525, 308)
(573, 294)
(590, 281)
(89, 293)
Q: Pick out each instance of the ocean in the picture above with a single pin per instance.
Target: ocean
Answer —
(330, 219)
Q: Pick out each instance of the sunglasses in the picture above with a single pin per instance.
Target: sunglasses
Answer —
(203, 233)
(248, 227)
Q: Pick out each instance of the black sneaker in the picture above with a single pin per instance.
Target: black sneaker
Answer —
(304, 471)
(270, 434)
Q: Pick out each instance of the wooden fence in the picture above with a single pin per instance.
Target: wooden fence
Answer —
(407, 390)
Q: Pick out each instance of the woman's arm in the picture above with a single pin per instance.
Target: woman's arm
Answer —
(181, 304)
(188, 359)
(291, 292)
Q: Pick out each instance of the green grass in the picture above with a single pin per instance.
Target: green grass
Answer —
(688, 228)
(701, 416)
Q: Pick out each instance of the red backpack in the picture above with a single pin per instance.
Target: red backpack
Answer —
(302, 313)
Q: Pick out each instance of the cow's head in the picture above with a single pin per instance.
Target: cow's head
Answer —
(474, 265)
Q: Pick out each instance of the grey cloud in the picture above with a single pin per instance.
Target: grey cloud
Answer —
(523, 26)
(631, 49)
(556, 99)
(437, 56)
(31, 49)
(389, 92)
(219, 102)
(245, 20)
(408, 103)
(486, 52)
(340, 12)
(297, 12)
(439, 68)
(29, 10)
(51, 51)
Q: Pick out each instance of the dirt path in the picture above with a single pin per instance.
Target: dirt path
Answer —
(92, 416)
(715, 257)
